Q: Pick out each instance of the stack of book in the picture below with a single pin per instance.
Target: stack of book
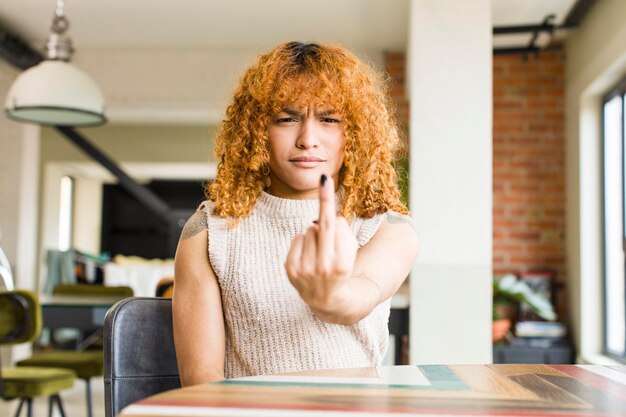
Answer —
(542, 334)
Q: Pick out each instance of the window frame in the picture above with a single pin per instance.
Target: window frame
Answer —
(619, 90)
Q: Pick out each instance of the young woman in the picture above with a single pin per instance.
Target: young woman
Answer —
(291, 262)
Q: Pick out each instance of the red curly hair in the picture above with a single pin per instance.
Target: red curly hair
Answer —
(309, 73)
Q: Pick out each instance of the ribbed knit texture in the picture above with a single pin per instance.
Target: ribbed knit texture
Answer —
(269, 328)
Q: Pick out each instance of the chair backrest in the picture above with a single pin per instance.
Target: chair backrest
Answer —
(20, 317)
(92, 290)
(139, 356)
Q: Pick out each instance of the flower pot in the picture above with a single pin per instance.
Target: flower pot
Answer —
(505, 310)
(499, 329)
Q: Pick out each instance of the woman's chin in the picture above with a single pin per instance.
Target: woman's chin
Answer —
(300, 190)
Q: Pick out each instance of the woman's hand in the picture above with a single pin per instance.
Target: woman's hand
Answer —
(340, 282)
(321, 262)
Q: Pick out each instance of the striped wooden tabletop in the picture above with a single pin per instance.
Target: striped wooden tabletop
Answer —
(436, 390)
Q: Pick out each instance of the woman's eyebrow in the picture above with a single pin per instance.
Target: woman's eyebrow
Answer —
(292, 112)
(298, 113)
(326, 112)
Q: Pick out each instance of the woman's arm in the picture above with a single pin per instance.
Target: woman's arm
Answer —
(341, 283)
(197, 308)
(380, 268)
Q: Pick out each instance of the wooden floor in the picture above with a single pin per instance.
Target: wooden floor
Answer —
(73, 402)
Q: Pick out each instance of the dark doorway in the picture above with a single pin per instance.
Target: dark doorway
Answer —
(129, 228)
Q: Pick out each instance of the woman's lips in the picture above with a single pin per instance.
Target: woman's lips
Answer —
(306, 161)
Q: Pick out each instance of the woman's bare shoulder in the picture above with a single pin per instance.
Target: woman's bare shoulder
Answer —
(195, 224)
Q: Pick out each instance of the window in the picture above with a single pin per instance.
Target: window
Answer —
(66, 214)
(614, 169)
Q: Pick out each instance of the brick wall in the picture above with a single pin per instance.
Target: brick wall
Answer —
(396, 69)
(528, 161)
(529, 165)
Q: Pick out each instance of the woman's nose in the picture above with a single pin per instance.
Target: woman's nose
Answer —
(308, 135)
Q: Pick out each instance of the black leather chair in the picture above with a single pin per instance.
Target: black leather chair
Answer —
(139, 356)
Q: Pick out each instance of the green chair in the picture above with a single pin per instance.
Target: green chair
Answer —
(20, 322)
(93, 290)
(85, 364)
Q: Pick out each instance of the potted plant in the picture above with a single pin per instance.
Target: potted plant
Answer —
(508, 293)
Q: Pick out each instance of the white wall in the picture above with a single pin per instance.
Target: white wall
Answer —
(596, 60)
(19, 174)
(450, 66)
(10, 149)
(19, 156)
(86, 235)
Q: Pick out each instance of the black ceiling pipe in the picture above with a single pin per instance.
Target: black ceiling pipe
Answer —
(509, 30)
(576, 14)
(574, 17)
(524, 50)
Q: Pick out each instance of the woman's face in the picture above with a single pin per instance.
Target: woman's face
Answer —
(304, 144)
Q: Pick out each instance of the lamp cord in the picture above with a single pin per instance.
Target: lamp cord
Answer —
(60, 24)
(59, 10)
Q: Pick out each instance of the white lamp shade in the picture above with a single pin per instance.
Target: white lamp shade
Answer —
(55, 93)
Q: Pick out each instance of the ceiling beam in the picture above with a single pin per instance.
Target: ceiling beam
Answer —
(578, 12)
(143, 194)
(17, 52)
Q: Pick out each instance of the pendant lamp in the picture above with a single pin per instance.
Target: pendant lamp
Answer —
(55, 92)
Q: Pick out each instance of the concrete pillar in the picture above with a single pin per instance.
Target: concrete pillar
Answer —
(450, 91)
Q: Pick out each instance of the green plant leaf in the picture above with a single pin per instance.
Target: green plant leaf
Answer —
(510, 288)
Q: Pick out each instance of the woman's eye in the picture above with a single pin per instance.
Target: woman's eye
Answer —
(330, 120)
(286, 120)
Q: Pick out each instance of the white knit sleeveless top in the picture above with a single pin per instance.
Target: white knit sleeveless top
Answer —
(269, 328)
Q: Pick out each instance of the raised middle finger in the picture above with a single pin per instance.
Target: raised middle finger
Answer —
(327, 219)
